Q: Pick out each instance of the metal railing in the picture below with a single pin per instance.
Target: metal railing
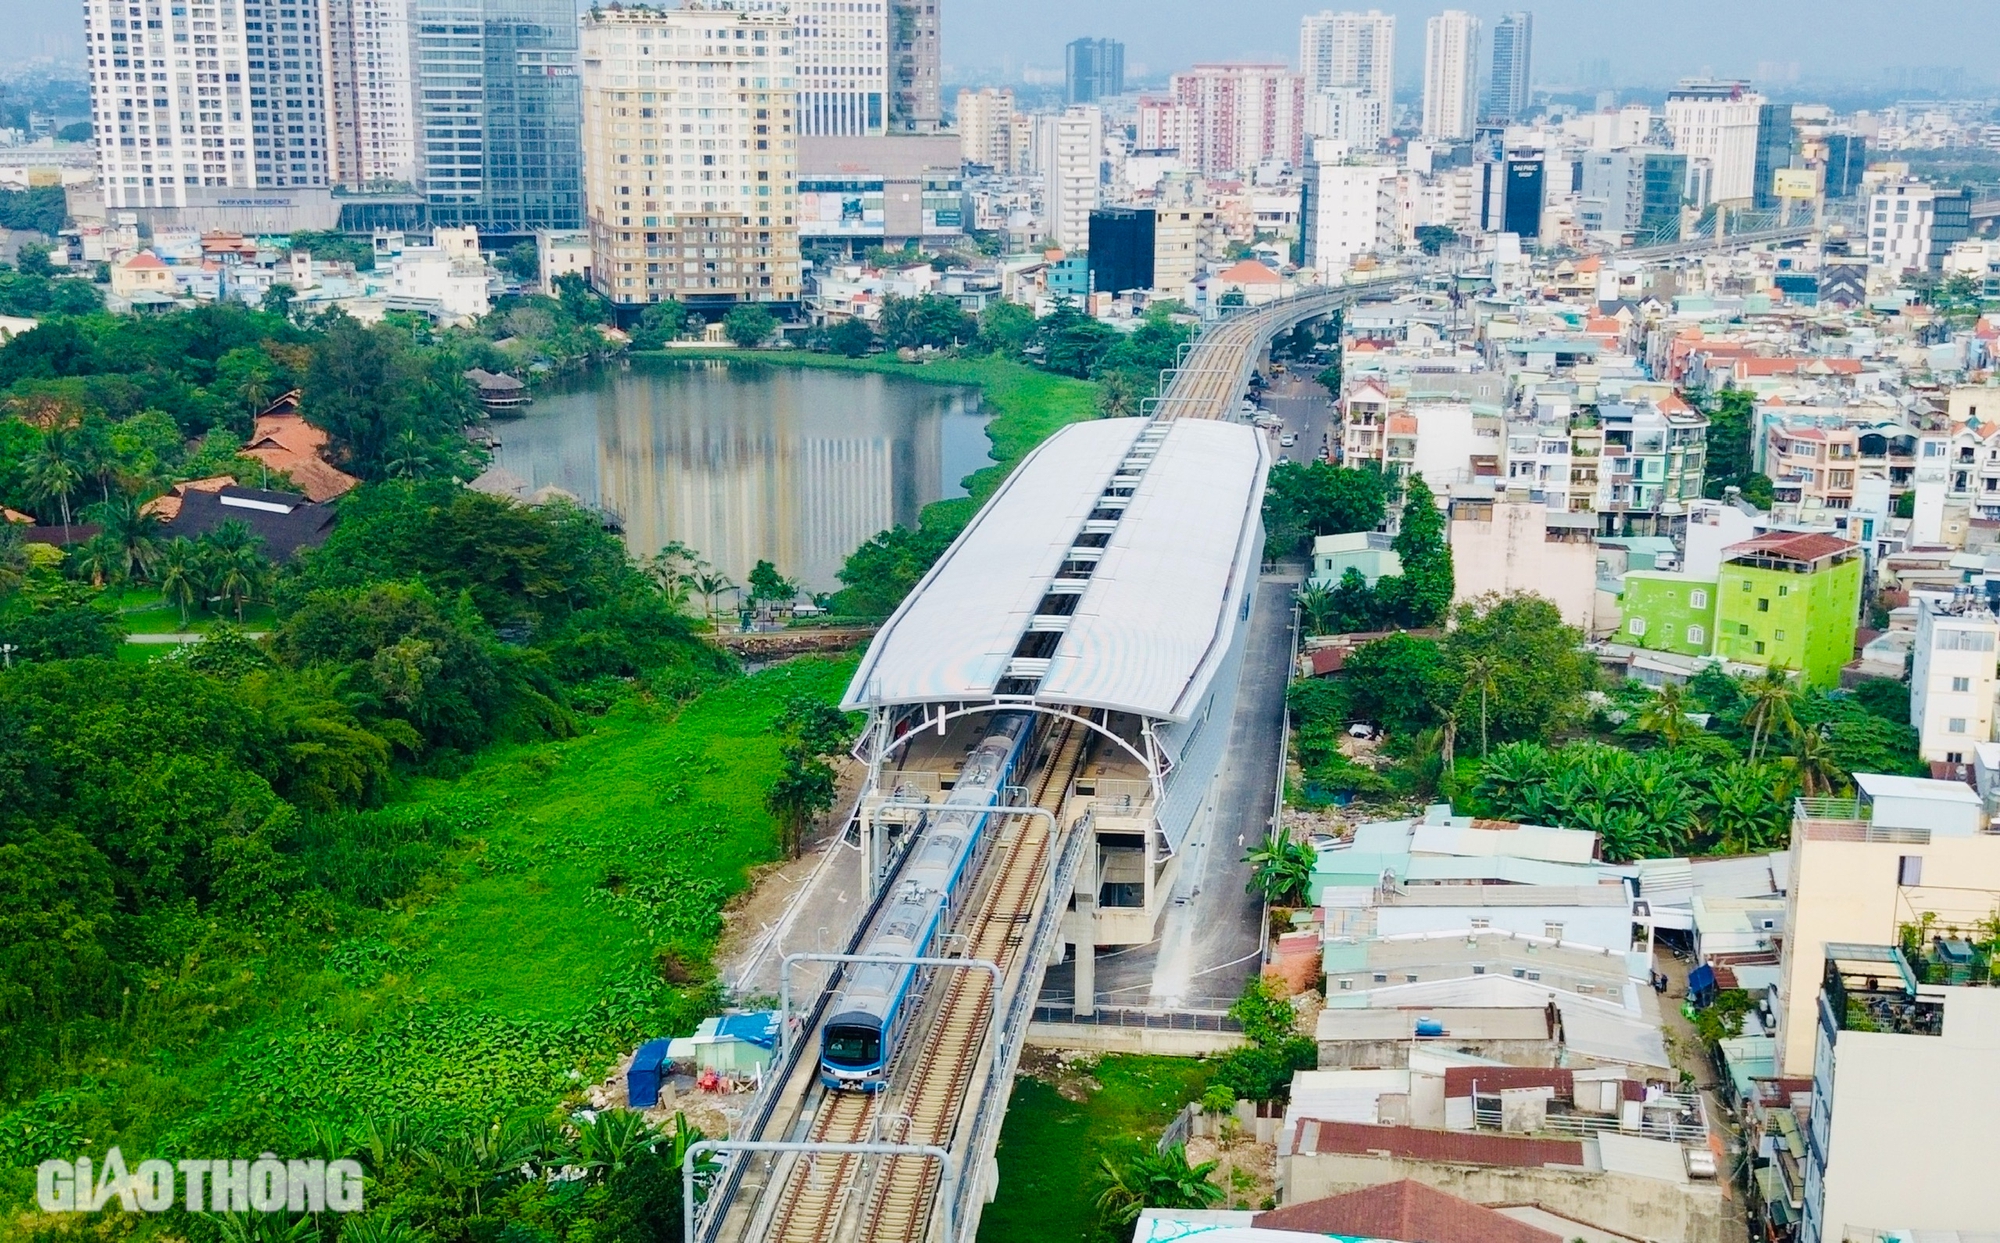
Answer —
(1849, 820)
(1686, 1123)
(1158, 1020)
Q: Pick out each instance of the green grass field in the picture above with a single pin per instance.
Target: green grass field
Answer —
(517, 971)
(1051, 1146)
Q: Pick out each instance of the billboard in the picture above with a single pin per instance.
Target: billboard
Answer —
(1795, 183)
(840, 209)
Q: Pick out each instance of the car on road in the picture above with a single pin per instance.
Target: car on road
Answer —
(1287, 440)
(1283, 458)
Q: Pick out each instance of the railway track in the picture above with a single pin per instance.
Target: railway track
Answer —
(900, 1203)
(818, 1187)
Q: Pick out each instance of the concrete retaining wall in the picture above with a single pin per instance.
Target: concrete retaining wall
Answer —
(1158, 1041)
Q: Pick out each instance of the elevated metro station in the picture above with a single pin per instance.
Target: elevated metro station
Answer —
(1105, 588)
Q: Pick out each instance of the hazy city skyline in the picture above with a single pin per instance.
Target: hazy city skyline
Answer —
(1629, 43)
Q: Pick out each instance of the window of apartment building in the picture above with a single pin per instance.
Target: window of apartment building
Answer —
(1954, 757)
(1909, 869)
(1760, 647)
(1481, 923)
(1553, 931)
(1347, 986)
(1636, 626)
(1409, 977)
(1697, 635)
(1784, 590)
(1534, 975)
(1763, 604)
(1779, 636)
(1955, 725)
(1961, 684)
(1381, 977)
(1697, 599)
(1746, 584)
(1742, 627)
(1479, 968)
(1520, 973)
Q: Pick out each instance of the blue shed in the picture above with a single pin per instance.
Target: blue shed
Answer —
(642, 1082)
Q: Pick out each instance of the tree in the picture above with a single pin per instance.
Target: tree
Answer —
(523, 261)
(1401, 682)
(1005, 328)
(1433, 238)
(749, 326)
(1307, 499)
(1772, 697)
(53, 474)
(804, 789)
(1814, 768)
(877, 575)
(1281, 869)
(1140, 1180)
(180, 571)
(932, 320)
(1533, 662)
(769, 586)
(133, 532)
(278, 300)
(661, 323)
(1666, 715)
(32, 259)
(1070, 342)
(1116, 397)
(850, 338)
(708, 584)
(1421, 594)
(1731, 418)
(1480, 671)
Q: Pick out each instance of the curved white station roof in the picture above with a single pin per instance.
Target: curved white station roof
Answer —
(1155, 617)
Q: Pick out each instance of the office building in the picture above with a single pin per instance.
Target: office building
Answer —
(881, 191)
(1070, 147)
(1634, 192)
(1511, 194)
(1121, 249)
(1350, 50)
(1093, 69)
(1913, 225)
(1451, 75)
(371, 108)
(992, 132)
(1347, 114)
(1952, 680)
(841, 54)
(1349, 211)
(1237, 116)
(1774, 152)
(182, 116)
(702, 209)
(1719, 122)
(499, 143)
(916, 102)
(1512, 84)
(1846, 161)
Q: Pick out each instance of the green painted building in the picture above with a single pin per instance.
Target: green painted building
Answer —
(1668, 612)
(1790, 599)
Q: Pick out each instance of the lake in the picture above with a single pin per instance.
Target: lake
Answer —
(749, 462)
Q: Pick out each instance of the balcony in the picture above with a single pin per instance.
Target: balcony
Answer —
(1873, 988)
(1848, 820)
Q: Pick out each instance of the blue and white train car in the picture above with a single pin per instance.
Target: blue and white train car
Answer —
(859, 1039)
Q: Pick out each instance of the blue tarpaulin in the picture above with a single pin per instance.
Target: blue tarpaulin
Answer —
(642, 1081)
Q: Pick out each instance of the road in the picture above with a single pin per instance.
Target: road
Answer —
(1307, 412)
(1212, 936)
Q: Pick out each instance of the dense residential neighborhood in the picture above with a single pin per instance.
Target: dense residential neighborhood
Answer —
(742, 620)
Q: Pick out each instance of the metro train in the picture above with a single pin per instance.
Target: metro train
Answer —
(876, 1001)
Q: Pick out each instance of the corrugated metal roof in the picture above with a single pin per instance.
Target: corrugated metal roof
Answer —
(1644, 1158)
(1412, 1143)
(1524, 842)
(1155, 620)
(952, 637)
(1172, 584)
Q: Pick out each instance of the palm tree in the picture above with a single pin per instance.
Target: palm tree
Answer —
(135, 533)
(15, 564)
(52, 472)
(1316, 606)
(1772, 695)
(99, 558)
(239, 574)
(1116, 397)
(1479, 675)
(1813, 767)
(1144, 1180)
(1666, 715)
(1281, 869)
(708, 584)
(180, 569)
(407, 456)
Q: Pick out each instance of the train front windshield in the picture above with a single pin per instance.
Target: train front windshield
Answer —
(853, 1046)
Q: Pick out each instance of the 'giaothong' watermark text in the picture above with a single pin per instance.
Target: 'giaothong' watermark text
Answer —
(265, 1185)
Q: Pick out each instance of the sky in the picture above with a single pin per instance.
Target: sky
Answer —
(1645, 41)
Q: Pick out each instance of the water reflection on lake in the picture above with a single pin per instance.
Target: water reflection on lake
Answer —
(747, 463)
